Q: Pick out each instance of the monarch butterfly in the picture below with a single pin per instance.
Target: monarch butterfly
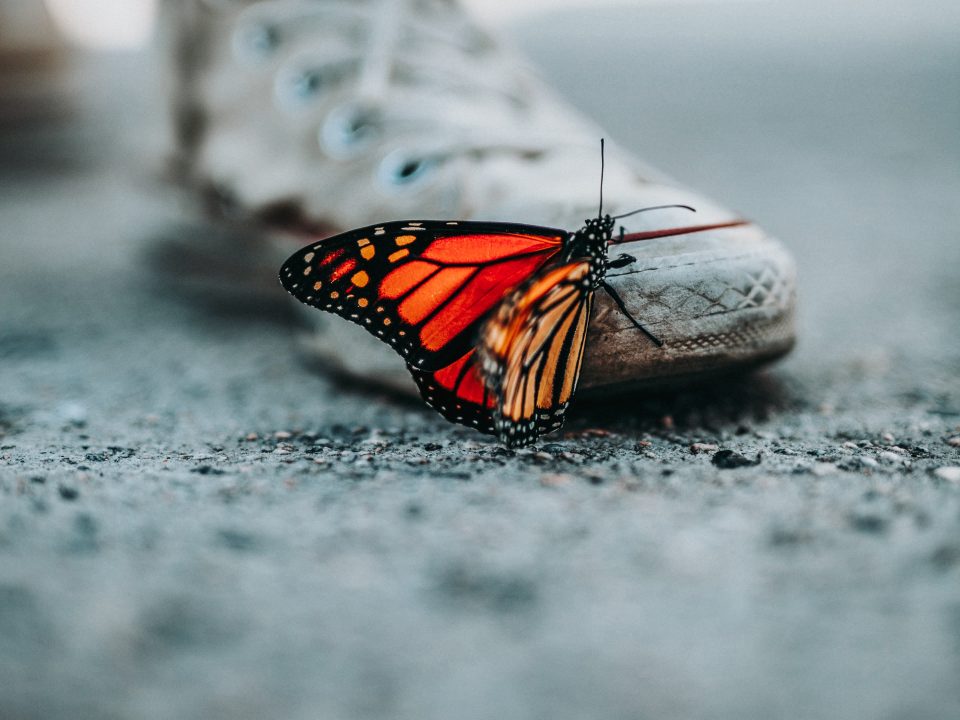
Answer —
(491, 318)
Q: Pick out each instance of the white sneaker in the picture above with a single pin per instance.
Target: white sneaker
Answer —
(316, 116)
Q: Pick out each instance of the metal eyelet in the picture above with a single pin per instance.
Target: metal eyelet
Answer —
(401, 170)
(298, 88)
(256, 42)
(348, 130)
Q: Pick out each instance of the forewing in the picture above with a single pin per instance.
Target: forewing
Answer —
(532, 350)
(424, 287)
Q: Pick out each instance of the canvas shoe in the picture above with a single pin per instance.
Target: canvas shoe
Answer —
(311, 117)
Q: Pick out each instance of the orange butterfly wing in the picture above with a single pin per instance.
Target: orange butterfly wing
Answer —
(532, 351)
(458, 393)
(424, 287)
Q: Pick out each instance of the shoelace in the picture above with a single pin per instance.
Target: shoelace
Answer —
(414, 81)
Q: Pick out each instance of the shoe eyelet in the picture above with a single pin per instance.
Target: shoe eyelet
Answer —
(256, 42)
(348, 130)
(299, 88)
(400, 170)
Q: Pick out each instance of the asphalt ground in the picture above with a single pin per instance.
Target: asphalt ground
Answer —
(197, 523)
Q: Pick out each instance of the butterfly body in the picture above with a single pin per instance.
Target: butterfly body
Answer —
(590, 242)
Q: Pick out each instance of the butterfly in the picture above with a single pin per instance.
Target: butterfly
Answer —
(491, 318)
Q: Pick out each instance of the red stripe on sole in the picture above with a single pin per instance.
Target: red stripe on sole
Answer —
(669, 232)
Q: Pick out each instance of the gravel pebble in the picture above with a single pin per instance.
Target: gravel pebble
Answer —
(74, 413)
(730, 459)
(950, 473)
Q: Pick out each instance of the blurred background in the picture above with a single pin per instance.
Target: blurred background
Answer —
(825, 584)
(829, 123)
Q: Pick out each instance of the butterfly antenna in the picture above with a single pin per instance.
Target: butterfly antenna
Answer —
(600, 211)
(655, 207)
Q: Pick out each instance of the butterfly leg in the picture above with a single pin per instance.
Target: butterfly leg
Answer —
(623, 308)
(621, 261)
